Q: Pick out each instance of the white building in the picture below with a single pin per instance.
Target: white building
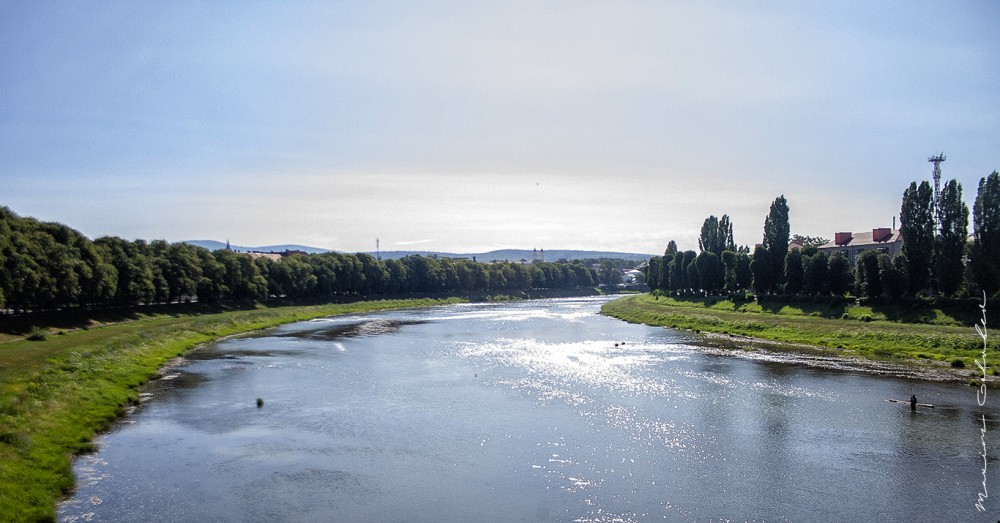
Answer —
(851, 244)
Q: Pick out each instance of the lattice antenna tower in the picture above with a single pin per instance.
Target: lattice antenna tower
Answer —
(936, 160)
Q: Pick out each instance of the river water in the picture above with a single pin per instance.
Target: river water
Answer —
(530, 411)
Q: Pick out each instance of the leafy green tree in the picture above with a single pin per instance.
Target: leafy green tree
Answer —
(744, 275)
(671, 249)
(691, 276)
(209, 287)
(584, 277)
(916, 218)
(550, 275)
(678, 277)
(687, 276)
(569, 280)
(816, 274)
(61, 266)
(716, 235)
(663, 282)
(763, 273)
(182, 270)
(242, 279)
(479, 275)
(867, 275)
(522, 278)
(892, 273)
(100, 285)
(610, 275)
(376, 275)
(423, 273)
(295, 276)
(985, 256)
(841, 276)
(710, 275)
(135, 273)
(730, 262)
(29, 284)
(776, 239)
(810, 241)
(653, 272)
(398, 277)
(793, 272)
(953, 234)
(497, 279)
(325, 267)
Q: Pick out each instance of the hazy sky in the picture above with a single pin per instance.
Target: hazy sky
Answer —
(470, 126)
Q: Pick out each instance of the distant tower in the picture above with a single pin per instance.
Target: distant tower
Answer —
(228, 248)
(936, 160)
(538, 256)
(378, 250)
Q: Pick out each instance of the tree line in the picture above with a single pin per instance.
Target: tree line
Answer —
(938, 257)
(45, 266)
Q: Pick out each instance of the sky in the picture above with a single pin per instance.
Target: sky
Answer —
(472, 126)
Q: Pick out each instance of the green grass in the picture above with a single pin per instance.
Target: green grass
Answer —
(57, 393)
(839, 329)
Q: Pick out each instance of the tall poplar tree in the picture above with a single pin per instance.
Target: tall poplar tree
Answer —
(653, 272)
(953, 233)
(776, 235)
(716, 235)
(729, 275)
(691, 278)
(916, 218)
(663, 282)
(762, 271)
(710, 273)
(986, 226)
(708, 240)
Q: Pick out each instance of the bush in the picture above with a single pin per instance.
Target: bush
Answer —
(37, 334)
(958, 363)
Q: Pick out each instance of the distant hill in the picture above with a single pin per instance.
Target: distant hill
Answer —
(520, 254)
(213, 245)
(485, 257)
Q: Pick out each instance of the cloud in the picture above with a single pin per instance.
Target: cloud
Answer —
(413, 242)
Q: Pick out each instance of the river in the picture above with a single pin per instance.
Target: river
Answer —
(530, 411)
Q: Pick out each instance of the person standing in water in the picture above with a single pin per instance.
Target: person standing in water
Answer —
(913, 403)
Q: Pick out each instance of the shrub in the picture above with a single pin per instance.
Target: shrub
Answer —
(38, 334)
(958, 363)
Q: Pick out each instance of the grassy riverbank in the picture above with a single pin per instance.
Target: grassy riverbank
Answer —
(56, 394)
(943, 339)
